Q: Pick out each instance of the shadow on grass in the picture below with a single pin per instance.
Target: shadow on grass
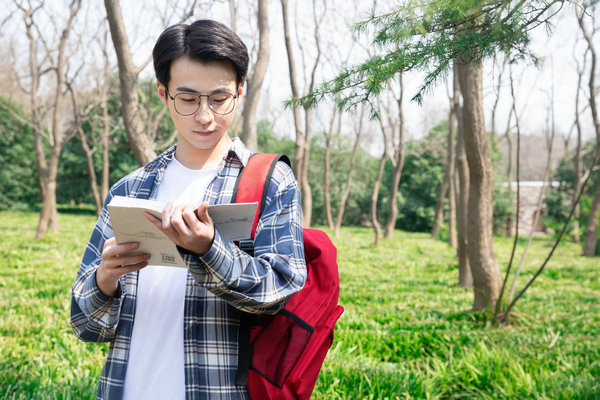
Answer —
(76, 210)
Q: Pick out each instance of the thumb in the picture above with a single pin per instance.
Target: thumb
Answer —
(202, 212)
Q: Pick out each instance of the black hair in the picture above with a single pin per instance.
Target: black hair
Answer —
(204, 40)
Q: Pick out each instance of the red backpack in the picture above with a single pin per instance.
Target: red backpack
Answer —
(280, 355)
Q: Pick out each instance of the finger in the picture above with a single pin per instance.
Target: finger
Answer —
(202, 213)
(188, 214)
(125, 261)
(115, 250)
(112, 255)
(166, 215)
(109, 242)
(153, 218)
(180, 226)
(134, 267)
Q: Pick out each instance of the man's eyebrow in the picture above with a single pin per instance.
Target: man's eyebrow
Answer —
(215, 90)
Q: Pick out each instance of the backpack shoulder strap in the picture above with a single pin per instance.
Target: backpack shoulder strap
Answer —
(252, 182)
(252, 185)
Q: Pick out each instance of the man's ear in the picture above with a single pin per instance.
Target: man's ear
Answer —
(162, 92)
(240, 90)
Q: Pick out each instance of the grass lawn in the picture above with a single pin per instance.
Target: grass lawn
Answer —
(407, 332)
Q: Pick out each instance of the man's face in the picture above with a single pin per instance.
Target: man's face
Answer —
(204, 129)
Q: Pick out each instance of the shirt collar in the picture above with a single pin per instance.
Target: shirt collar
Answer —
(238, 150)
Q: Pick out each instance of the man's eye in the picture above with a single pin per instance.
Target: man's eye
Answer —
(188, 99)
(219, 98)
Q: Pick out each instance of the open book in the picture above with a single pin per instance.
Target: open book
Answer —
(130, 225)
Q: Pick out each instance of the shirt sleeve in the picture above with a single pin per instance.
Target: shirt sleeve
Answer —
(263, 283)
(94, 315)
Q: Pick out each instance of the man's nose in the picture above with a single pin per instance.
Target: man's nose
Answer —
(204, 114)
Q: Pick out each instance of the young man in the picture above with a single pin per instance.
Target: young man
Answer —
(173, 332)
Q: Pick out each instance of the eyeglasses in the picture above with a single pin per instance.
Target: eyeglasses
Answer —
(221, 103)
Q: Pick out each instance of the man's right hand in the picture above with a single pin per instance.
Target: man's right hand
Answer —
(116, 263)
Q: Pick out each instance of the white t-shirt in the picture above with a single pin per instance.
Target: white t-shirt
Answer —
(155, 369)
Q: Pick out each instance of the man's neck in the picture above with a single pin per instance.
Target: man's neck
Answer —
(194, 158)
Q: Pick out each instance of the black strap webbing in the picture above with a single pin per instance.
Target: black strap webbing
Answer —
(241, 377)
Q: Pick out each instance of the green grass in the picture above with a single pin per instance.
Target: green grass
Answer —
(407, 332)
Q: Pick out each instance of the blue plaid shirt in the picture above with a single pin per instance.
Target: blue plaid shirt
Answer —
(220, 283)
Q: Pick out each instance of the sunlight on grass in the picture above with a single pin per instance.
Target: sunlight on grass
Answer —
(407, 332)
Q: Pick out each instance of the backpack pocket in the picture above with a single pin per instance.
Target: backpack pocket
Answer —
(279, 346)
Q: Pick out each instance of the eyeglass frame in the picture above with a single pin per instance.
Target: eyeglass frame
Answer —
(234, 96)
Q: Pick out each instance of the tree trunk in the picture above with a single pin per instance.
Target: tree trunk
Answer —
(347, 185)
(374, 199)
(48, 169)
(36, 121)
(299, 146)
(87, 151)
(509, 177)
(393, 206)
(326, 169)
(104, 140)
(141, 144)
(486, 274)
(465, 278)
(398, 166)
(578, 160)
(509, 167)
(448, 178)
(302, 148)
(376, 184)
(307, 191)
(438, 219)
(452, 239)
(591, 231)
(255, 81)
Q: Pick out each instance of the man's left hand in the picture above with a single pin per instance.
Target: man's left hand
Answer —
(189, 228)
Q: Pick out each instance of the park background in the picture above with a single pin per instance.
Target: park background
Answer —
(387, 188)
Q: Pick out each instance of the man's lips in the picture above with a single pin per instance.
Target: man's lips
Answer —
(202, 133)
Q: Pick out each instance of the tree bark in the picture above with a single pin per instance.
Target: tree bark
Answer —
(48, 168)
(299, 145)
(302, 147)
(375, 198)
(486, 274)
(496, 101)
(591, 231)
(326, 168)
(438, 219)
(306, 189)
(509, 171)
(447, 185)
(141, 144)
(255, 81)
(452, 239)
(465, 278)
(509, 168)
(398, 143)
(347, 185)
(87, 151)
(578, 158)
(376, 185)
(36, 120)
(105, 135)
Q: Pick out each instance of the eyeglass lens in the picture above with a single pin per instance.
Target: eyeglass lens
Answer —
(189, 103)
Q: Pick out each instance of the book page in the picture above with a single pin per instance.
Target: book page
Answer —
(129, 224)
